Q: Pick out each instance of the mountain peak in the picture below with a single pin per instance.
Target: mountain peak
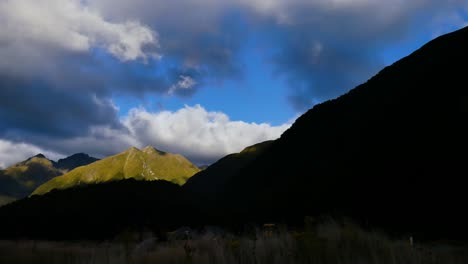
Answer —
(151, 149)
(146, 164)
(148, 148)
(79, 155)
(132, 149)
(75, 160)
(40, 155)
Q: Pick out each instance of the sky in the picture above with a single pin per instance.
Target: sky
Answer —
(202, 78)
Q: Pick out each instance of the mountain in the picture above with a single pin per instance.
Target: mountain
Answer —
(213, 179)
(391, 153)
(20, 179)
(146, 164)
(75, 160)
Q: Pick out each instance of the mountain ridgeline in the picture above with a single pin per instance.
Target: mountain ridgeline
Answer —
(20, 179)
(212, 180)
(390, 154)
(147, 164)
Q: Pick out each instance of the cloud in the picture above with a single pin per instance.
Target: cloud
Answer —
(327, 47)
(321, 47)
(186, 83)
(62, 61)
(11, 152)
(38, 108)
(200, 135)
(204, 36)
(69, 25)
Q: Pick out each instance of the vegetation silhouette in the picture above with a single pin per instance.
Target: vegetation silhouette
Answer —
(98, 211)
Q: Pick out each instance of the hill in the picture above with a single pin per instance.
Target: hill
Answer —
(74, 161)
(20, 179)
(213, 179)
(146, 164)
(391, 152)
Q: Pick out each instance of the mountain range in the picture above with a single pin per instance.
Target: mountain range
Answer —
(20, 179)
(390, 154)
(146, 164)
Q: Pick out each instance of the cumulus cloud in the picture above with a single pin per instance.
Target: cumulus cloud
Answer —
(70, 25)
(200, 135)
(61, 61)
(11, 152)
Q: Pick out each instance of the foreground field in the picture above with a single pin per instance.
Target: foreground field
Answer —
(325, 243)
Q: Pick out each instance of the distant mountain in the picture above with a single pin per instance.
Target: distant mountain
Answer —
(391, 152)
(75, 160)
(146, 164)
(20, 179)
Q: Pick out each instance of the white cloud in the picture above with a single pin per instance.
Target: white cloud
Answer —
(184, 83)
(200, 135)
(11, 152)
(35, 26)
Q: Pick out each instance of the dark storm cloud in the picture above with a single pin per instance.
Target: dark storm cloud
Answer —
(38, 107)
(200, 36)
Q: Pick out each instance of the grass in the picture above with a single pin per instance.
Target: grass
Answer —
(323, 244)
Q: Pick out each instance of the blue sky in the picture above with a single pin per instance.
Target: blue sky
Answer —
(200, 78)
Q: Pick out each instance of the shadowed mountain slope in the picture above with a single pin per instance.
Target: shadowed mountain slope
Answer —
(391, 152)
(74, 161)
(146, 164)
(213, 179)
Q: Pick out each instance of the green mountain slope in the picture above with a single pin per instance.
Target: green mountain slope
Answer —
(146, 164)
(20, 179)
